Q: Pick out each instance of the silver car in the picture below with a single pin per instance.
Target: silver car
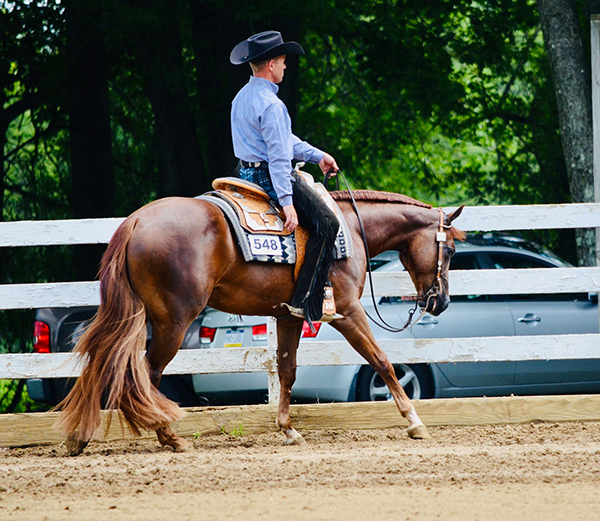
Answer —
(467, 316)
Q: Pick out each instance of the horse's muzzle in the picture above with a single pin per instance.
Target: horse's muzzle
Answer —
(435, 304)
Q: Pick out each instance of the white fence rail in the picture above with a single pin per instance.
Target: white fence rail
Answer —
(499, 218)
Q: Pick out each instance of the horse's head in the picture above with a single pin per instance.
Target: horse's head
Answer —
(426, 257)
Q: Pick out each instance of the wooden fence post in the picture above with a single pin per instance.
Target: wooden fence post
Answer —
(272, 350)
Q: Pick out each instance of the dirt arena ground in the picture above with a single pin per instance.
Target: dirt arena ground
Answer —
(548, 471)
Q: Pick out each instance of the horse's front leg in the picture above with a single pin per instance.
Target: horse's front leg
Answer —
(288, 337)
(355, 328)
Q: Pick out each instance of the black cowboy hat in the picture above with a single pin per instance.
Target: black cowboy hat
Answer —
(263, 46)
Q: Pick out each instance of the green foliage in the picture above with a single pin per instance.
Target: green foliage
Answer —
(13, 397)
(449, 103)
(237, 431)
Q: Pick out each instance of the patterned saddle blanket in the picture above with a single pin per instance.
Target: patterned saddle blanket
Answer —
(258, 223)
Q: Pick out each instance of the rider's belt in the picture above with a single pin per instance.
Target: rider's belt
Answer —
(260, 164)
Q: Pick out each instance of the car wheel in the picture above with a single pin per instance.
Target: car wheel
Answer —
(415, 379)
(179, 389)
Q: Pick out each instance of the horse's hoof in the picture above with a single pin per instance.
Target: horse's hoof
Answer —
(181, 445)
(419, 432)
(74, 446)
(293, 437)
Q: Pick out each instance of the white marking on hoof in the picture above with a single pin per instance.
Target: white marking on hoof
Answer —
(416, 428)
(293, 437)
(418, 432)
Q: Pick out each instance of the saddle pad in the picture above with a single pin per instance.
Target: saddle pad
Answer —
(269, 247)
(258, 247)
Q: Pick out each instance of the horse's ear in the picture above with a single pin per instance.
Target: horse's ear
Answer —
(455, 214)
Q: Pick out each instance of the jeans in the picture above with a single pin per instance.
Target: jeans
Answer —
(261, 177)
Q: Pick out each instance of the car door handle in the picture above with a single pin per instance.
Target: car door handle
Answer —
(530, 317)
(427, 321)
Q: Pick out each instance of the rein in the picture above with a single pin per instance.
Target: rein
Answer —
(432, 292)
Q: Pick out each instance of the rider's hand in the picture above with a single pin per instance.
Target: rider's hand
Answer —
(291, 217)
(327, 164)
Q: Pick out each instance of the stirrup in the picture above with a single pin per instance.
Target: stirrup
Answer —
(299, 313)
(330, 318)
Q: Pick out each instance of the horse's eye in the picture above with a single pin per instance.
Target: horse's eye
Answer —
(451, 252)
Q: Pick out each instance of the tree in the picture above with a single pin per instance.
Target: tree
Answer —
(90, 134)
(150, 31)
(570, 72)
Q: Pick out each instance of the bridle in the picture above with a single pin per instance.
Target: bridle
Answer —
(433, 291)
(441, 238)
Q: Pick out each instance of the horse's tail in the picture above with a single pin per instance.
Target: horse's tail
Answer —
(111, 349)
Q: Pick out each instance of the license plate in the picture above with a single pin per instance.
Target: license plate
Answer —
(234, 338)
(265, 245)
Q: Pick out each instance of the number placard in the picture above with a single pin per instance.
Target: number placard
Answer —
(266, 245)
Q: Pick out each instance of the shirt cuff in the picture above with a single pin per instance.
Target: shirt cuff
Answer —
(317, 156)
(286, 200)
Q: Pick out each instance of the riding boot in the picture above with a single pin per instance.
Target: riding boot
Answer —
(308, 272)
(322, 224)
(308, 298)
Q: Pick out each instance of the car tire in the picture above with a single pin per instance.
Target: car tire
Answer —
(179, 389)
(415, 379)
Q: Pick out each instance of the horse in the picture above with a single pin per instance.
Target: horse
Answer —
(173, 257)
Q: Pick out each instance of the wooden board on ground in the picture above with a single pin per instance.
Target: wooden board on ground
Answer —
(36, 428)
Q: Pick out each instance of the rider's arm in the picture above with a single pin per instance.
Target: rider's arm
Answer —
(276, 132)
(304, 151)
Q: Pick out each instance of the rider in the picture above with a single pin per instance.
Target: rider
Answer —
(263, 142)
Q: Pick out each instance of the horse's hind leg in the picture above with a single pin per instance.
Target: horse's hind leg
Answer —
(288, 336)
(356, 330)
(166, 341)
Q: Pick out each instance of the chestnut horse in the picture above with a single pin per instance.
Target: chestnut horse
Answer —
(170, 259)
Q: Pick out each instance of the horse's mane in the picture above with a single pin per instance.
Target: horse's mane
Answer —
(389, 197)
(373, 195)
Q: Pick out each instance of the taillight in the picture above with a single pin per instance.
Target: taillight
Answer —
(41, 337)
(259, 333)
(207, 334)
(307, 333)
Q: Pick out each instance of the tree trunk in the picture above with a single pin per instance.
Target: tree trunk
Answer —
(93, 192)
(180, 168)
(570, 71)
(215, 31)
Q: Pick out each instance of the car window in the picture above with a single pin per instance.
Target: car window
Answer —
(466, 261)
(509, 261)
(516, 261)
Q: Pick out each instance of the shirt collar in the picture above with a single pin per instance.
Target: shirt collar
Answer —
(264, 83)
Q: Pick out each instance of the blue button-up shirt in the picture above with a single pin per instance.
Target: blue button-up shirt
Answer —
(262, 131)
